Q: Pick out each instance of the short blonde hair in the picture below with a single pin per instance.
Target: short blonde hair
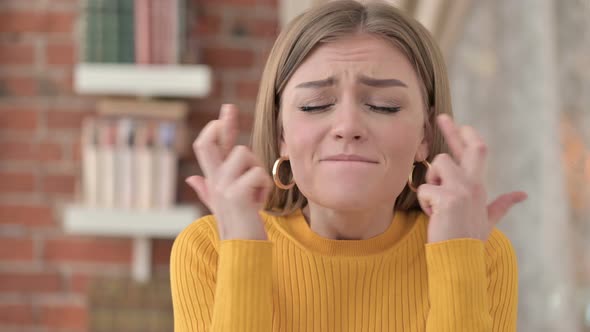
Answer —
(324, 23)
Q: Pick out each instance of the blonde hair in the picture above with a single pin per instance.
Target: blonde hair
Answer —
(324, 23)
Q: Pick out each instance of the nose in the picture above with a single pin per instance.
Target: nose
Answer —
(349, 124)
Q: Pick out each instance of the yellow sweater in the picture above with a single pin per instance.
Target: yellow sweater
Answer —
(299, 281)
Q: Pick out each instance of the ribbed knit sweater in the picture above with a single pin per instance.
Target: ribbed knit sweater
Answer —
(299, 281)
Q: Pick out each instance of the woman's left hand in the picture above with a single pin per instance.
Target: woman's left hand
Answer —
(454, 195)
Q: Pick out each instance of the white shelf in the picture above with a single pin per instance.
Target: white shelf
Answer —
(142, 80)
(129, 223)
(139, 225)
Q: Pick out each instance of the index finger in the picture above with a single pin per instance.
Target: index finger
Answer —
(452, 135)
(229, 133)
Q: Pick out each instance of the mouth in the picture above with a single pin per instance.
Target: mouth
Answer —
(350, 158)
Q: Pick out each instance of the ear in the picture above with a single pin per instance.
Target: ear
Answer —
(422, 151)
(282, 147)
(282, 143)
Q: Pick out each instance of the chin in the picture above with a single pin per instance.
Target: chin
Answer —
(347, 198)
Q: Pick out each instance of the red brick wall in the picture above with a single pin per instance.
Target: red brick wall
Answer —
(44, 273)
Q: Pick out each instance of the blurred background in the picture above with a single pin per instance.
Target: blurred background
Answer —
(100, 99)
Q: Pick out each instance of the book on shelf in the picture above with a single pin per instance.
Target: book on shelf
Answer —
(142, 32)
(91, 47)
(127, 32)
(134, 31)
(110, 17)
(155, 31)
(130, 158)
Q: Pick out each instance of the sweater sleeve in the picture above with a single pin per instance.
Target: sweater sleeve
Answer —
(502, 270)
(472, 285)
(220, 288)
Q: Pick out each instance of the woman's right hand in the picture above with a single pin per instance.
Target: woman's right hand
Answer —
(235, 184)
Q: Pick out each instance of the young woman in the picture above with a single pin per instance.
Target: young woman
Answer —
(366, 223)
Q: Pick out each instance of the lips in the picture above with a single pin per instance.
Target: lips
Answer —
(350, 157)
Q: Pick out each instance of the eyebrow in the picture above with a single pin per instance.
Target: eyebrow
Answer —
(374, 82)
(381, 83)
(318, 84)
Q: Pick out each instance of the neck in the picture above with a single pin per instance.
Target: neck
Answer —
(348, 224)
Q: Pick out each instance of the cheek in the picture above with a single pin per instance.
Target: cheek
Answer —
(399, 144)
(299, 132)
(301, 139)
(304, 140)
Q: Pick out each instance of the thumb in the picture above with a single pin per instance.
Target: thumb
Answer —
(200, 187)
(498, 208)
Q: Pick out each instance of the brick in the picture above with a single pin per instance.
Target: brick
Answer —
(88, 250)
(16, 54)
(232, 2)
(199, 119)
(19, 120)
(37, 22)
(18, 86)
(16, 249)
(66, 119)
(32, 282)
(17, 182)
(58, 85)
(161, 251)
(246, 121)
(257, 28)
(17, 151)
(60, 54)
(245, 3)
(264, 28)
(228, 57)
(27, 215)
(59, 22)
(216, 88)
(81, 283)
(55, 85)
(207, 26)
(269, 3)
(76, 150)
(59, 184)
(247, 89)
(49, 152)
(16, 314)
(64, 317)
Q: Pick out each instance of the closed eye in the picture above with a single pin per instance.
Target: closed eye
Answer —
(315, 108)
(384, 109)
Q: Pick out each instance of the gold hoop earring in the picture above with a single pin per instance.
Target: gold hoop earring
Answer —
(275, 174)
(411, 177)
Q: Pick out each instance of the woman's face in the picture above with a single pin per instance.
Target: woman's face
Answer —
(353, 123)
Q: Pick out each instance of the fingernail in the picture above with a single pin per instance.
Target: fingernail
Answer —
(188, 181)
(223, 111)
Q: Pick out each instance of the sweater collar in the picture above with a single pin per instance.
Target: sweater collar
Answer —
(402, 226)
